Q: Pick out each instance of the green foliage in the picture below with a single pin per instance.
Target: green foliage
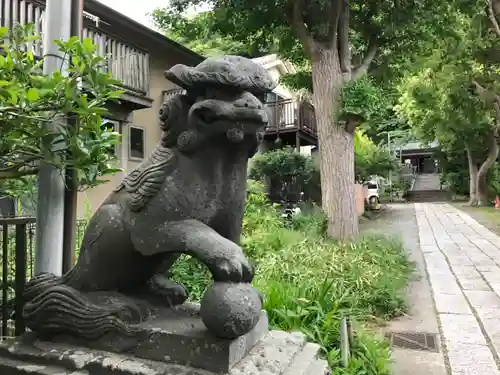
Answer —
(449, 94)
(371, 159)
(295, 172)
(29, 100)
(269, 28)
(364, 98)
(282, 163)
(197, 34)
(438, 97)
(309, 282)
(289, 173)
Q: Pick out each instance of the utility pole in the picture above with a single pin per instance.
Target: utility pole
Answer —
(71, 191)
(50, 205)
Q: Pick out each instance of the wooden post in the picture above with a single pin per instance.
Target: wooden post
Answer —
(345, 350)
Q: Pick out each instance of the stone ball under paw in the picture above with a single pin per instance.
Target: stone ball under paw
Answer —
(230, 310)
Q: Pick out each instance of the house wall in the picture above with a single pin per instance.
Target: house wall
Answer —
(280, 89)
(147, 119)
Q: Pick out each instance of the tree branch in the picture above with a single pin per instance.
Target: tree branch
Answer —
(343, 38)
(300, 28)
(370, 53)
(492, 17)
(486, 95)
(335, 9)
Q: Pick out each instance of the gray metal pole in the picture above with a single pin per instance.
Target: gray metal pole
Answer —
(50, 205)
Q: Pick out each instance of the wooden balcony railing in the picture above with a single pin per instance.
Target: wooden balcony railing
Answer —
(290, 114)
(127, 64)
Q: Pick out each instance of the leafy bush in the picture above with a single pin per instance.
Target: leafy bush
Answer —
(289, 173)
(310, 282)
(30, 100)
(371, 159)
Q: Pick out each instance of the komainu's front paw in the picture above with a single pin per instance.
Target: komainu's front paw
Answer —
(233, 269)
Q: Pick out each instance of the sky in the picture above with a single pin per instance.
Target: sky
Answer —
(137, 10)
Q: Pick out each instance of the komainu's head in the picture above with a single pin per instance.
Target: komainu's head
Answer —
(225, 99)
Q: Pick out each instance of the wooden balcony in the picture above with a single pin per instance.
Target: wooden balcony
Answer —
(293, 122)
(127, 63)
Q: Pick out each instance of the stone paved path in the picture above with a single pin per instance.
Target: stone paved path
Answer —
(462, 259)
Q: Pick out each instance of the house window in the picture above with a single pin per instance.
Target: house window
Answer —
(136, 142)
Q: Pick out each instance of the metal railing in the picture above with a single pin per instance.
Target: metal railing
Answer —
(127, 63)
(17, 254)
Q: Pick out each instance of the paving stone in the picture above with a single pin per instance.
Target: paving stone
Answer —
(496, 288)
(444, 285)
(466, 270)
(492, 277)
(461, 329)
(430, 249)
(483, 299)
(475, 254)
(486, 266)
(467, 359)
(451, 304)
(459, 260)
(472, 281)
(490, 320)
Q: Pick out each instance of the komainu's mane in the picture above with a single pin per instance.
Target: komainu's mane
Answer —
(144, 182)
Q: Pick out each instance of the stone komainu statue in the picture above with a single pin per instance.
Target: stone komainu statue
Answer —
(187, 198)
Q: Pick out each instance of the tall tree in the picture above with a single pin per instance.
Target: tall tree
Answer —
(338, 39)
(452, 95)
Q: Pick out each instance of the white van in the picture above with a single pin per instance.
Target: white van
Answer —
(372, 194)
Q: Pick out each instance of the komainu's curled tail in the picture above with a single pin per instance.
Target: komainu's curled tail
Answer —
(52, 307)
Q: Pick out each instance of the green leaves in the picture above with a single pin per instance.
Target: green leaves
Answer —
(371, 159)
(438, 97)
(29, 100)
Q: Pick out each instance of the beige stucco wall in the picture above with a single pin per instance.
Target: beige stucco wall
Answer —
(90, 200)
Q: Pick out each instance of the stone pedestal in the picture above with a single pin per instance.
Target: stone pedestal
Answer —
(173, 342)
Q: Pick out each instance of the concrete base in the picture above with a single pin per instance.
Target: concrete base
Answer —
(278, 353)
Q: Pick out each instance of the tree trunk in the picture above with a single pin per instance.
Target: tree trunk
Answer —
(481, 182)
(336, 147)
(472, 177)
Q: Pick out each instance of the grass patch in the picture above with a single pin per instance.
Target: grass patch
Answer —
(486, 216)
(310, 282)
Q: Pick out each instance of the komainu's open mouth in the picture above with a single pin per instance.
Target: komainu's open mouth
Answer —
(246, 113)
